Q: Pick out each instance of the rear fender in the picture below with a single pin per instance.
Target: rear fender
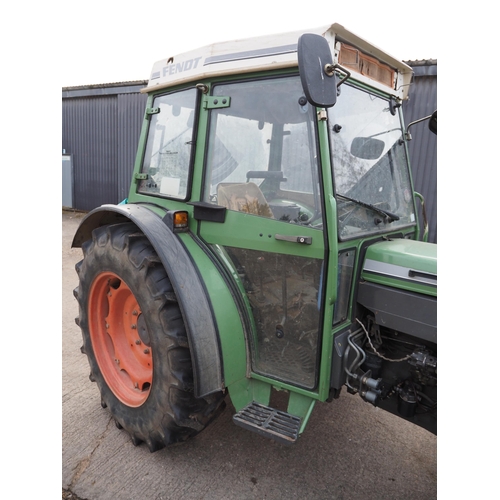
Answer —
(188, 286)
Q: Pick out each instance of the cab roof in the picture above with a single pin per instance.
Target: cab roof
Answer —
(271, 52)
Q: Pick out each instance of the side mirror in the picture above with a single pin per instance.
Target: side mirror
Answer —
(316, 70)
(433, 122)
(367, 148)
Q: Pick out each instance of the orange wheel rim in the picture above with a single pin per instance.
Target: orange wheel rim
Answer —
(118, 338)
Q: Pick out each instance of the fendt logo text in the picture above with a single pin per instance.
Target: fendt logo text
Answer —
(172, 69)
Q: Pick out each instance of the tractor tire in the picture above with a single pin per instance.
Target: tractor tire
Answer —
(135, 340)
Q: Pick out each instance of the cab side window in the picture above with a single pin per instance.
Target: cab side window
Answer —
(168, 157)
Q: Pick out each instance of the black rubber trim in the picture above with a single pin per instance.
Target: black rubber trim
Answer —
(200, 323)
(208, 211)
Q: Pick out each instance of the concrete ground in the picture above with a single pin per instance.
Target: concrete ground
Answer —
(349, 450)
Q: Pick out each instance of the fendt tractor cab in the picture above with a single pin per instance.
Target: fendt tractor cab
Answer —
(270, 242)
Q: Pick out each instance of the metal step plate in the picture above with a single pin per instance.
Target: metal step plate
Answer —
(269, 422)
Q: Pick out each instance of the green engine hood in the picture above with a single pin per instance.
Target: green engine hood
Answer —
(405, 264)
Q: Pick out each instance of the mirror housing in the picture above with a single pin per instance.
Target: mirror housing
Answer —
(367, 148)
(433, 122)
(316, 70)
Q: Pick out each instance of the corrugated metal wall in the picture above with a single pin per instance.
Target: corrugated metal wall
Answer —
(423, 146)
(130, 117)
(100, 129)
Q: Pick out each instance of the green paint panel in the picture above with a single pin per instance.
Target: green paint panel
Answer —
(407, 253)
(256, 233)
(231, 334)
(401, 263)
(301, 406)
(246, 390)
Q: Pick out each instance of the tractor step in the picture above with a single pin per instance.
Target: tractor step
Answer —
(269, 422)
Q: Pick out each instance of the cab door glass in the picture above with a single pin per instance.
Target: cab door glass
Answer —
(262, 156)
(167, 161)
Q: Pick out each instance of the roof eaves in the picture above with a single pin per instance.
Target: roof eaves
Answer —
(104, 89)
(423, 67)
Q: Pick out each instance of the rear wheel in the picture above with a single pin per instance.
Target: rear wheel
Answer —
(135, 340)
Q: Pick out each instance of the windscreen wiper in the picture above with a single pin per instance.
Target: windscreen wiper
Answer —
(388, 216)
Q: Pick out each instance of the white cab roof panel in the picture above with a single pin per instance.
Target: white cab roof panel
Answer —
(266, 53)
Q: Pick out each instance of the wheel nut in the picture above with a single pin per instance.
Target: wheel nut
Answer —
(134, 313)
(138, 342)
(134, 327)
(146, 351)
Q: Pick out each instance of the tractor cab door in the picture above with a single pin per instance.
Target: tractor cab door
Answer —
(262, 167)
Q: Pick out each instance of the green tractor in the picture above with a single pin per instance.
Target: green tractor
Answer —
(270, 242)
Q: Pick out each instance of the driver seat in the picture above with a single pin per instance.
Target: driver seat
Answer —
(245, 197)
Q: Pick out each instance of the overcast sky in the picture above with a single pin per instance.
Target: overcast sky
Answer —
(107, 41)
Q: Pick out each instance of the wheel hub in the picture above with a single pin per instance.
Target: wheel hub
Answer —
(120, 339)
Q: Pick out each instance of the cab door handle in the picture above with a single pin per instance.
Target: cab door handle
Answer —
(303, 240)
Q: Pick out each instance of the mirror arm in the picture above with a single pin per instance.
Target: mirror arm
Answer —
(407, 133)
(330, 70)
